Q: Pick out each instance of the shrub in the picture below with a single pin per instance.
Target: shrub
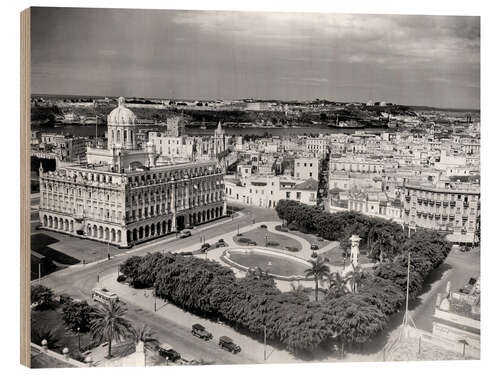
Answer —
(121, 278)
(263, 226)
(212, 290)
(42, 296)
(78, 315)
(273, 243)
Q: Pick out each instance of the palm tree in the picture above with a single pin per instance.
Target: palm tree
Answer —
(319, 270)
(337, 284)
(109, 324)
(355, 276)
(39, 334)
(144, 334)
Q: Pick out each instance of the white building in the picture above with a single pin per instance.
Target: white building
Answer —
(265, 191)
(317, 146)
(306, 168)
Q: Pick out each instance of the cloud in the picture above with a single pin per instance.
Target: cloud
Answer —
(107, 52)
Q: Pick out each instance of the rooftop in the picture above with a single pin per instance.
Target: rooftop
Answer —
(311, 185)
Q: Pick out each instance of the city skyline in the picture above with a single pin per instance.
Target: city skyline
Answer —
(414, 60)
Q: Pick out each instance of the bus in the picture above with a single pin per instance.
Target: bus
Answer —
(103, 295)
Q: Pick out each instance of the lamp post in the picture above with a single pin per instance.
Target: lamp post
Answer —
(238, 229)
(154, 295)
(78, 333)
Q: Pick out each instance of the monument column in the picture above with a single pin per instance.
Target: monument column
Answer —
(355, 239)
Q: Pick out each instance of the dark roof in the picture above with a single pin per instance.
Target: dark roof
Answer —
(310, 184)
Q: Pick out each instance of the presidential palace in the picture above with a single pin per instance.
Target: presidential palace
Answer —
(122, 196)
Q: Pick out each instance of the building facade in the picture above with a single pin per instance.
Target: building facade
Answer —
(125, 206)
(449, 207)
(306, 168)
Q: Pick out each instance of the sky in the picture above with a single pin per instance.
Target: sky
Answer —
(414, 60)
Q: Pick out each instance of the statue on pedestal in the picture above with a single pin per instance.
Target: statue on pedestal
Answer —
(355, 239)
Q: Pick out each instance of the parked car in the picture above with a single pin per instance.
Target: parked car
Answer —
(252, 242)
(167, 352)
(199, 331)
(205, 246)
(185, 233)
(467, 288)
(121, 278)
(227, 343)
(220, 244)
(314, 247)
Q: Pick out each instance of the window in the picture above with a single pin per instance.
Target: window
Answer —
(298, 195)
(287, 195)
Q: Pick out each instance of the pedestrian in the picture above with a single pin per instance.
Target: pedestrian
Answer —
(109, 256)
(84, 262)
(97, 277)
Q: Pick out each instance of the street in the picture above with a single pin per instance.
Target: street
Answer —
(79, 280)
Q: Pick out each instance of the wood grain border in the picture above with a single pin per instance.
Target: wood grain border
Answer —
(25, 200)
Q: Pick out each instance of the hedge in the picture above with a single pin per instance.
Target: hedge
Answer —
(209, 289)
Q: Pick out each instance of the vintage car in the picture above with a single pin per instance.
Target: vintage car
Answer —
(199, 331)
(227, 343)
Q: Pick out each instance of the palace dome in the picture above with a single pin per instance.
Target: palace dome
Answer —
(121, 115)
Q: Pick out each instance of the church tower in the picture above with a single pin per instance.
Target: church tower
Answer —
(219, 140)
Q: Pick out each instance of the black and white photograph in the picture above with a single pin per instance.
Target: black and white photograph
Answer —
(237, 187)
